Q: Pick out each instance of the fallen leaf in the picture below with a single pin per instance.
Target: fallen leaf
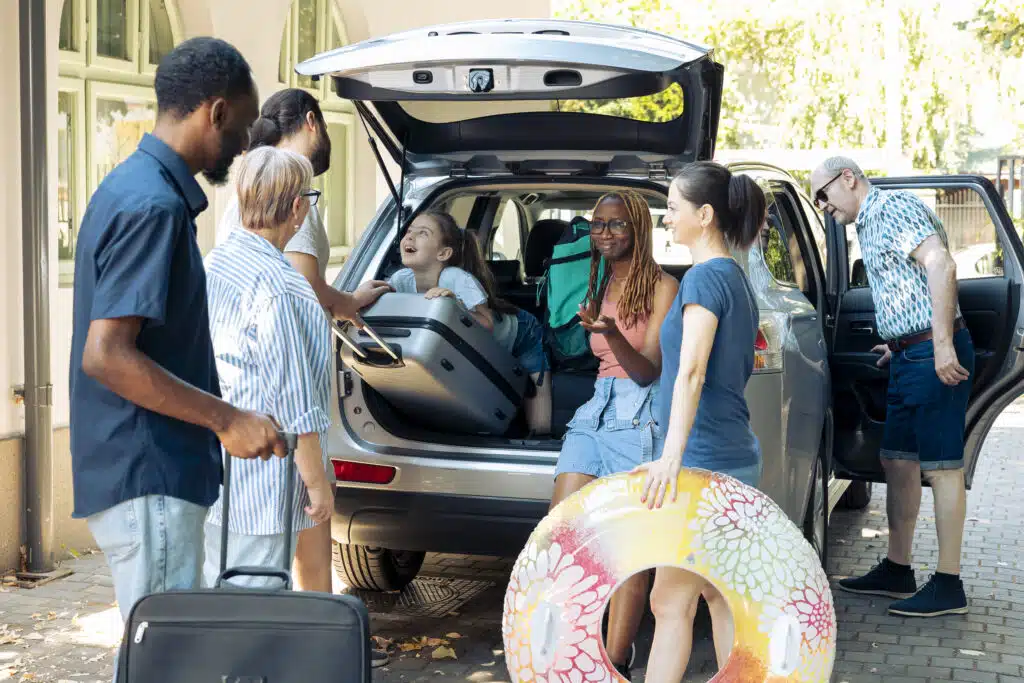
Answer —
(444, 653)
(382, 643)
(453, 636)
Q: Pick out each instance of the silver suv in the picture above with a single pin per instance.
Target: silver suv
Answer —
(516, 127)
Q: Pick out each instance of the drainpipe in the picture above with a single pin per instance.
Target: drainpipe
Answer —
(36, 289)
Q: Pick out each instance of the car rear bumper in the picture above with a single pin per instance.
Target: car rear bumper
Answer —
(446, 523)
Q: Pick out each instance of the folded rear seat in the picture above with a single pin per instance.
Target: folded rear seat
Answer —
(446, 370)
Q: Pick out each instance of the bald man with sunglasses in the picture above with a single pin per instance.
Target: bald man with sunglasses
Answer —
(930, 357)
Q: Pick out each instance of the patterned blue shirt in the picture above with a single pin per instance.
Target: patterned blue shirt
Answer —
(272, 343)
(891, 224)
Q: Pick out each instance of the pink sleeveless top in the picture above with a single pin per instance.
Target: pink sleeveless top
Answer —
(609, 365)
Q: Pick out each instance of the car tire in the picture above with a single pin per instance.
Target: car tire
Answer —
(857, 495)
(376, 569)
(816, 516)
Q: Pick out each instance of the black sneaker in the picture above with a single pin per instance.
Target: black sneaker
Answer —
(378, 658)
(943, 594)
(886, 579)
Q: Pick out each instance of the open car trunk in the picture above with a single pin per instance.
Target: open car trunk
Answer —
(504, 96)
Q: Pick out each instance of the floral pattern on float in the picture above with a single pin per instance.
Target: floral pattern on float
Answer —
(730, 533)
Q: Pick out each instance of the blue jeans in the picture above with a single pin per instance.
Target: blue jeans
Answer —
(924, 418)
(613, 432)
(152, 544)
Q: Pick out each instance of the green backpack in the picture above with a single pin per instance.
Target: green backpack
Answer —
(565, 287)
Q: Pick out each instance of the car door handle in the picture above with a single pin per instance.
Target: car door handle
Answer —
(862, 327)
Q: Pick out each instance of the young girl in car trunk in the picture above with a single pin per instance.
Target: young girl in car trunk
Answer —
(616, 430)
(441, 259)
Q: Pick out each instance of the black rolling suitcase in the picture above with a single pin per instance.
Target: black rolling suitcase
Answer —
(241, 635)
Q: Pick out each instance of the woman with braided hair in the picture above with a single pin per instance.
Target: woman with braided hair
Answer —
(616, 431)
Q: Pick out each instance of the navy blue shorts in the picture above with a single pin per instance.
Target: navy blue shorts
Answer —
(924, 418)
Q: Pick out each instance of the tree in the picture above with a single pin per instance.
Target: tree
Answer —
(999, 24)
(802, 75)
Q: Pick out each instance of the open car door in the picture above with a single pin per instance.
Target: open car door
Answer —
(989, 258)
(507, 95)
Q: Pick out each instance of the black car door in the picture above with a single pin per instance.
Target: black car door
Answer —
(989, 257)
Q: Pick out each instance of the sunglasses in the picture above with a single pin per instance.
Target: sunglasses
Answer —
(313, 196)
(820, 197)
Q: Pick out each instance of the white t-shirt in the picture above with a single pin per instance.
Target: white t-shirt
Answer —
(310, 239)
(468, 291)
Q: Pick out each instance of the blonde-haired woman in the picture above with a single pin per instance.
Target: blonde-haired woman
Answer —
(272, 346)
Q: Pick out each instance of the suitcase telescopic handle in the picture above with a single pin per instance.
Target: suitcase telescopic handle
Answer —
(340, 333)
(291, 442)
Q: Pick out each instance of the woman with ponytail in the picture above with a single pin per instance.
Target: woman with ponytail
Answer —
(616, 430)
(707, 348)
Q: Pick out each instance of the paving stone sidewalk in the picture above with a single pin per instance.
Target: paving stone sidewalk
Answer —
(66, 631)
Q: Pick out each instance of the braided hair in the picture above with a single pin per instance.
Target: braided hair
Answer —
(637, 297)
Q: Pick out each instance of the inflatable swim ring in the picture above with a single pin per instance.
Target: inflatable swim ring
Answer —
(729, 533)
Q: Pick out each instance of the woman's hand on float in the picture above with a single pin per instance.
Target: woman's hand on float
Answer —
(662, 481)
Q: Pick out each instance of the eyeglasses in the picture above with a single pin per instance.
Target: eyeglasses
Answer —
(616, 227)
(313, 196)
(821, 197)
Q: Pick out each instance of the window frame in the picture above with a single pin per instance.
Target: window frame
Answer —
(97, 90)
(177, 30)
(778, 191)
(79, 31)
(339, 252)
(91, 76)
(96, 60)
(77, 172)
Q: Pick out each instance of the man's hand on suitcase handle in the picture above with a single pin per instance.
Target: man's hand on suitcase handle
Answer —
(250, 434)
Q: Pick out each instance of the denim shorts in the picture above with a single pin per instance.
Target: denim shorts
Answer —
(924, 418)
(528, 347)
(612, 432)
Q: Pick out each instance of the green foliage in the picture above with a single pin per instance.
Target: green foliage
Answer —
(777, 258)
(999, 24)
(801, 74)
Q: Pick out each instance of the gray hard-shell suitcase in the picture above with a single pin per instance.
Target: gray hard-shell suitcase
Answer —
(430, 359)
(242, 635)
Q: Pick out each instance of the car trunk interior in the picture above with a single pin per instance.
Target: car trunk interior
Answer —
(517, 225)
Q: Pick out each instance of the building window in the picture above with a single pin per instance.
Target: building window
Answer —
(109, 50)
(312, 27)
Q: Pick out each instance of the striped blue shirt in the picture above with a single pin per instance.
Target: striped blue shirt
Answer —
(272, 343)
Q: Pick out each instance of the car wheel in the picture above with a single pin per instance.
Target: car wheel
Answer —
(857, 495)
(816, 517)
(376, 569)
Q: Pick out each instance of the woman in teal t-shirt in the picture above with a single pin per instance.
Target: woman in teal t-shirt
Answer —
(703, 376)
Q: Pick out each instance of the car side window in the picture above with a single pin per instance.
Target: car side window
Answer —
(507, 242)
(974, 242)
(817, 230)
(777, 243)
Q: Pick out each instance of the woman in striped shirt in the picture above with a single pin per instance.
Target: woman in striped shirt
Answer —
(272, 345)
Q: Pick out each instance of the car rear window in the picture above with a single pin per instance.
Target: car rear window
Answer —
(661, 107)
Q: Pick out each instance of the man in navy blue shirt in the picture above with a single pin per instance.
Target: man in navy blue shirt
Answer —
(146, 412)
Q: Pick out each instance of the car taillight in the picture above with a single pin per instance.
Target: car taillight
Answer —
(768, 346)
(363, 473)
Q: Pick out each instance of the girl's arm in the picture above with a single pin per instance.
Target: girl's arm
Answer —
(644, 365)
